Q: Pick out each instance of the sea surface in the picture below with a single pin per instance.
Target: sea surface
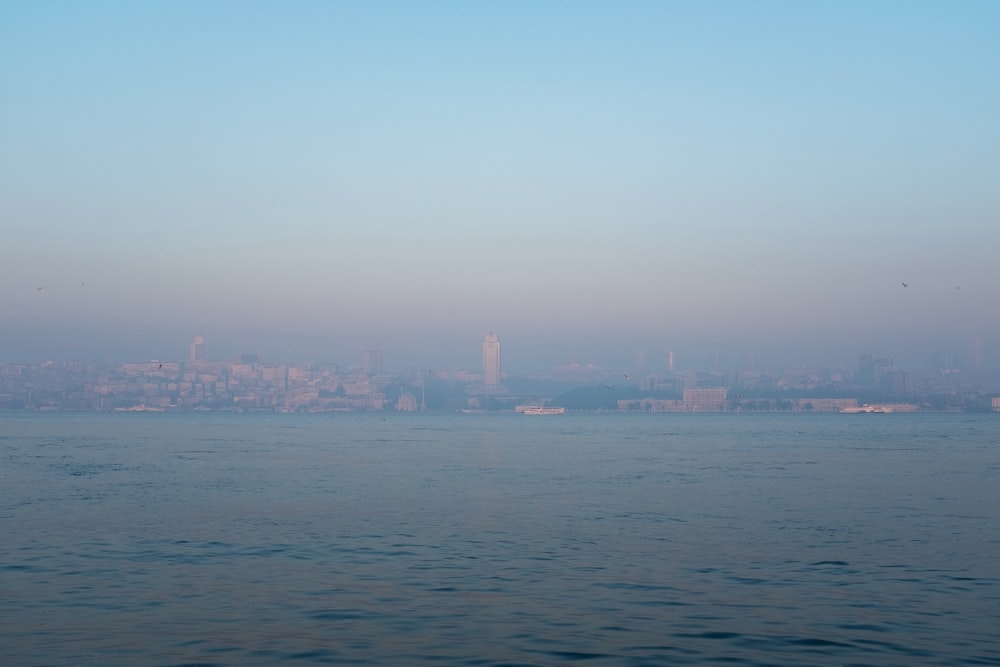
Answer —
(499, 539)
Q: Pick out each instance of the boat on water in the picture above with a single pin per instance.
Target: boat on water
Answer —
(538, 410)
(866, 409)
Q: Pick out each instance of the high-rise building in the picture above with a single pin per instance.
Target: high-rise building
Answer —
(883, 367)
(896, 383)
(976, 359)
(371, 361)
(491, 360)
(199, 351)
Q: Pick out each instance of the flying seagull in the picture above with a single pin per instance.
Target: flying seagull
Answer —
(906, 284)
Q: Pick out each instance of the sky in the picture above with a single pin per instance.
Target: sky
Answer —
(307, 179)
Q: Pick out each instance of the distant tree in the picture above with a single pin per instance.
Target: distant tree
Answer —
(596, 398)
(443, 395)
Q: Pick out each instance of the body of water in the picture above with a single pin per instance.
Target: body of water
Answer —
(184, 539)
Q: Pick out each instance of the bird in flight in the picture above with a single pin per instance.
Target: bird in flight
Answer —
(906, 284)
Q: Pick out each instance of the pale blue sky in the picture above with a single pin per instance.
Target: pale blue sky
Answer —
(659, 172)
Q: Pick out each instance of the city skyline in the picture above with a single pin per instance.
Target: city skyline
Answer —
(249, 383)
(971, 356)
(794, 181)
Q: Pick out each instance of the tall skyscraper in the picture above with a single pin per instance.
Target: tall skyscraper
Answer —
(491, 360)
(976, 358)
(371, 361)
(199, 351)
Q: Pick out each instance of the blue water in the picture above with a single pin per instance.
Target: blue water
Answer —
(170, 539)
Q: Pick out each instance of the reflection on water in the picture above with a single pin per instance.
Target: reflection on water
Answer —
(499, 540)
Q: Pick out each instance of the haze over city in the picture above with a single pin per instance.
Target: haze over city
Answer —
(438, 332)
(803, 182)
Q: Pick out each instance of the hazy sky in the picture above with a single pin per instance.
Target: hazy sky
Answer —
(284, 176)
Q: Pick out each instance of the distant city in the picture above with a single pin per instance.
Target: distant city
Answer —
(249, 383)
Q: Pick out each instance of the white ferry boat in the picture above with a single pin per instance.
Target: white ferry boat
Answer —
(866, 409)
(538, 410)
